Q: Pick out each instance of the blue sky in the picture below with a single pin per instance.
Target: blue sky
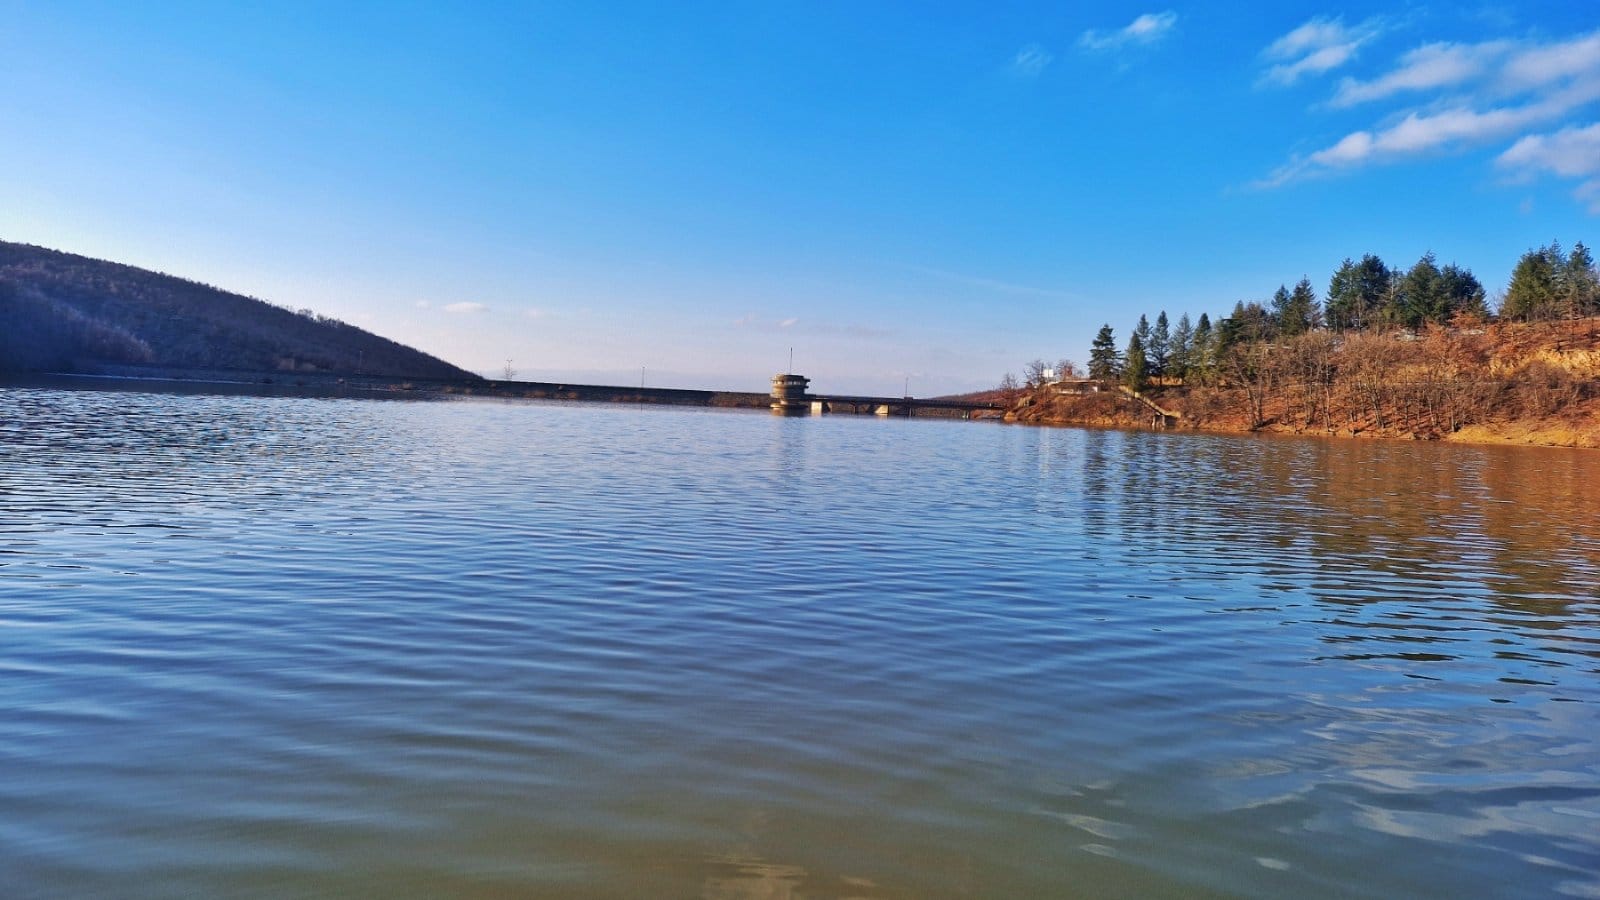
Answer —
(894, 191)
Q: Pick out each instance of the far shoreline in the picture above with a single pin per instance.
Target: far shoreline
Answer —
(1471, 436)
(1566, 434)
(1024, 412)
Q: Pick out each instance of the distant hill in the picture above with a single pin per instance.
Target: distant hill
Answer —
(64, 312)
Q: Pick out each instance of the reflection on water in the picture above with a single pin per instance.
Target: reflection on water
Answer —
(325, 647)
(744, 879)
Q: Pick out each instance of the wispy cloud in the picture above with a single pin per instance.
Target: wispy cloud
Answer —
(1428, 67)
(1543, 64)
(1468, 95)
(464, 307)
(1572, 152)
(751, 320)
(1419, 132)
(1148, 28)
(1030, 61)
(1317, 46)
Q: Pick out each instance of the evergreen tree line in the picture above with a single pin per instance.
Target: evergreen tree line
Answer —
(1363, 296)
(1415, 351)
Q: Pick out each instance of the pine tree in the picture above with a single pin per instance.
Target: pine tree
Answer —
(1203, 350)
(1463, 294)
(1142, 332)
(1421, 297)
(1582, 282)
(1181, 355)
(1558, 269)
(1158, 352)
(1249, 322)
(1295, 311)
(1532, 291)
(1356, 293)
(1105, 364)
(1307, 311)
(1280, 306)
(1134, 368)
(1342, 296)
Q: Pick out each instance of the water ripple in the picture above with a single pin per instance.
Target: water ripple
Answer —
(320, 647)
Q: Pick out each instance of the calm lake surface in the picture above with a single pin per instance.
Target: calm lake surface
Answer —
(279, 647)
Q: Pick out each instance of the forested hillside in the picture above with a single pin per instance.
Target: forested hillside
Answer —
(1415, 352)
(64, 312)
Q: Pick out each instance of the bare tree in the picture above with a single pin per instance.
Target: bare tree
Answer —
(1370, 361)
(1253, 367)
(1310, 365)
(1036, 373)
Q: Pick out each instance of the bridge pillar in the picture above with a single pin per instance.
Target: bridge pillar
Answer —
(819, 407)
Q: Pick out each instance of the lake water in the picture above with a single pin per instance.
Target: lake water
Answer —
(279, 647)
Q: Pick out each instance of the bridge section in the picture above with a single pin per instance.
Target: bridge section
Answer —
(789, 397)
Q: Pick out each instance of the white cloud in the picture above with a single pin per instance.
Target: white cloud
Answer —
(1468, 95)
(1425, 68)
(1150, 26)
(464, 307)
(1572, 152)
(1320, 45)
(1419, 132)
(1353, 148)
(1416, 133)
(1542, 65)
(1313, 35)
(1146, 29)
(788, 323)
(1030, 61)
(1510, 68)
